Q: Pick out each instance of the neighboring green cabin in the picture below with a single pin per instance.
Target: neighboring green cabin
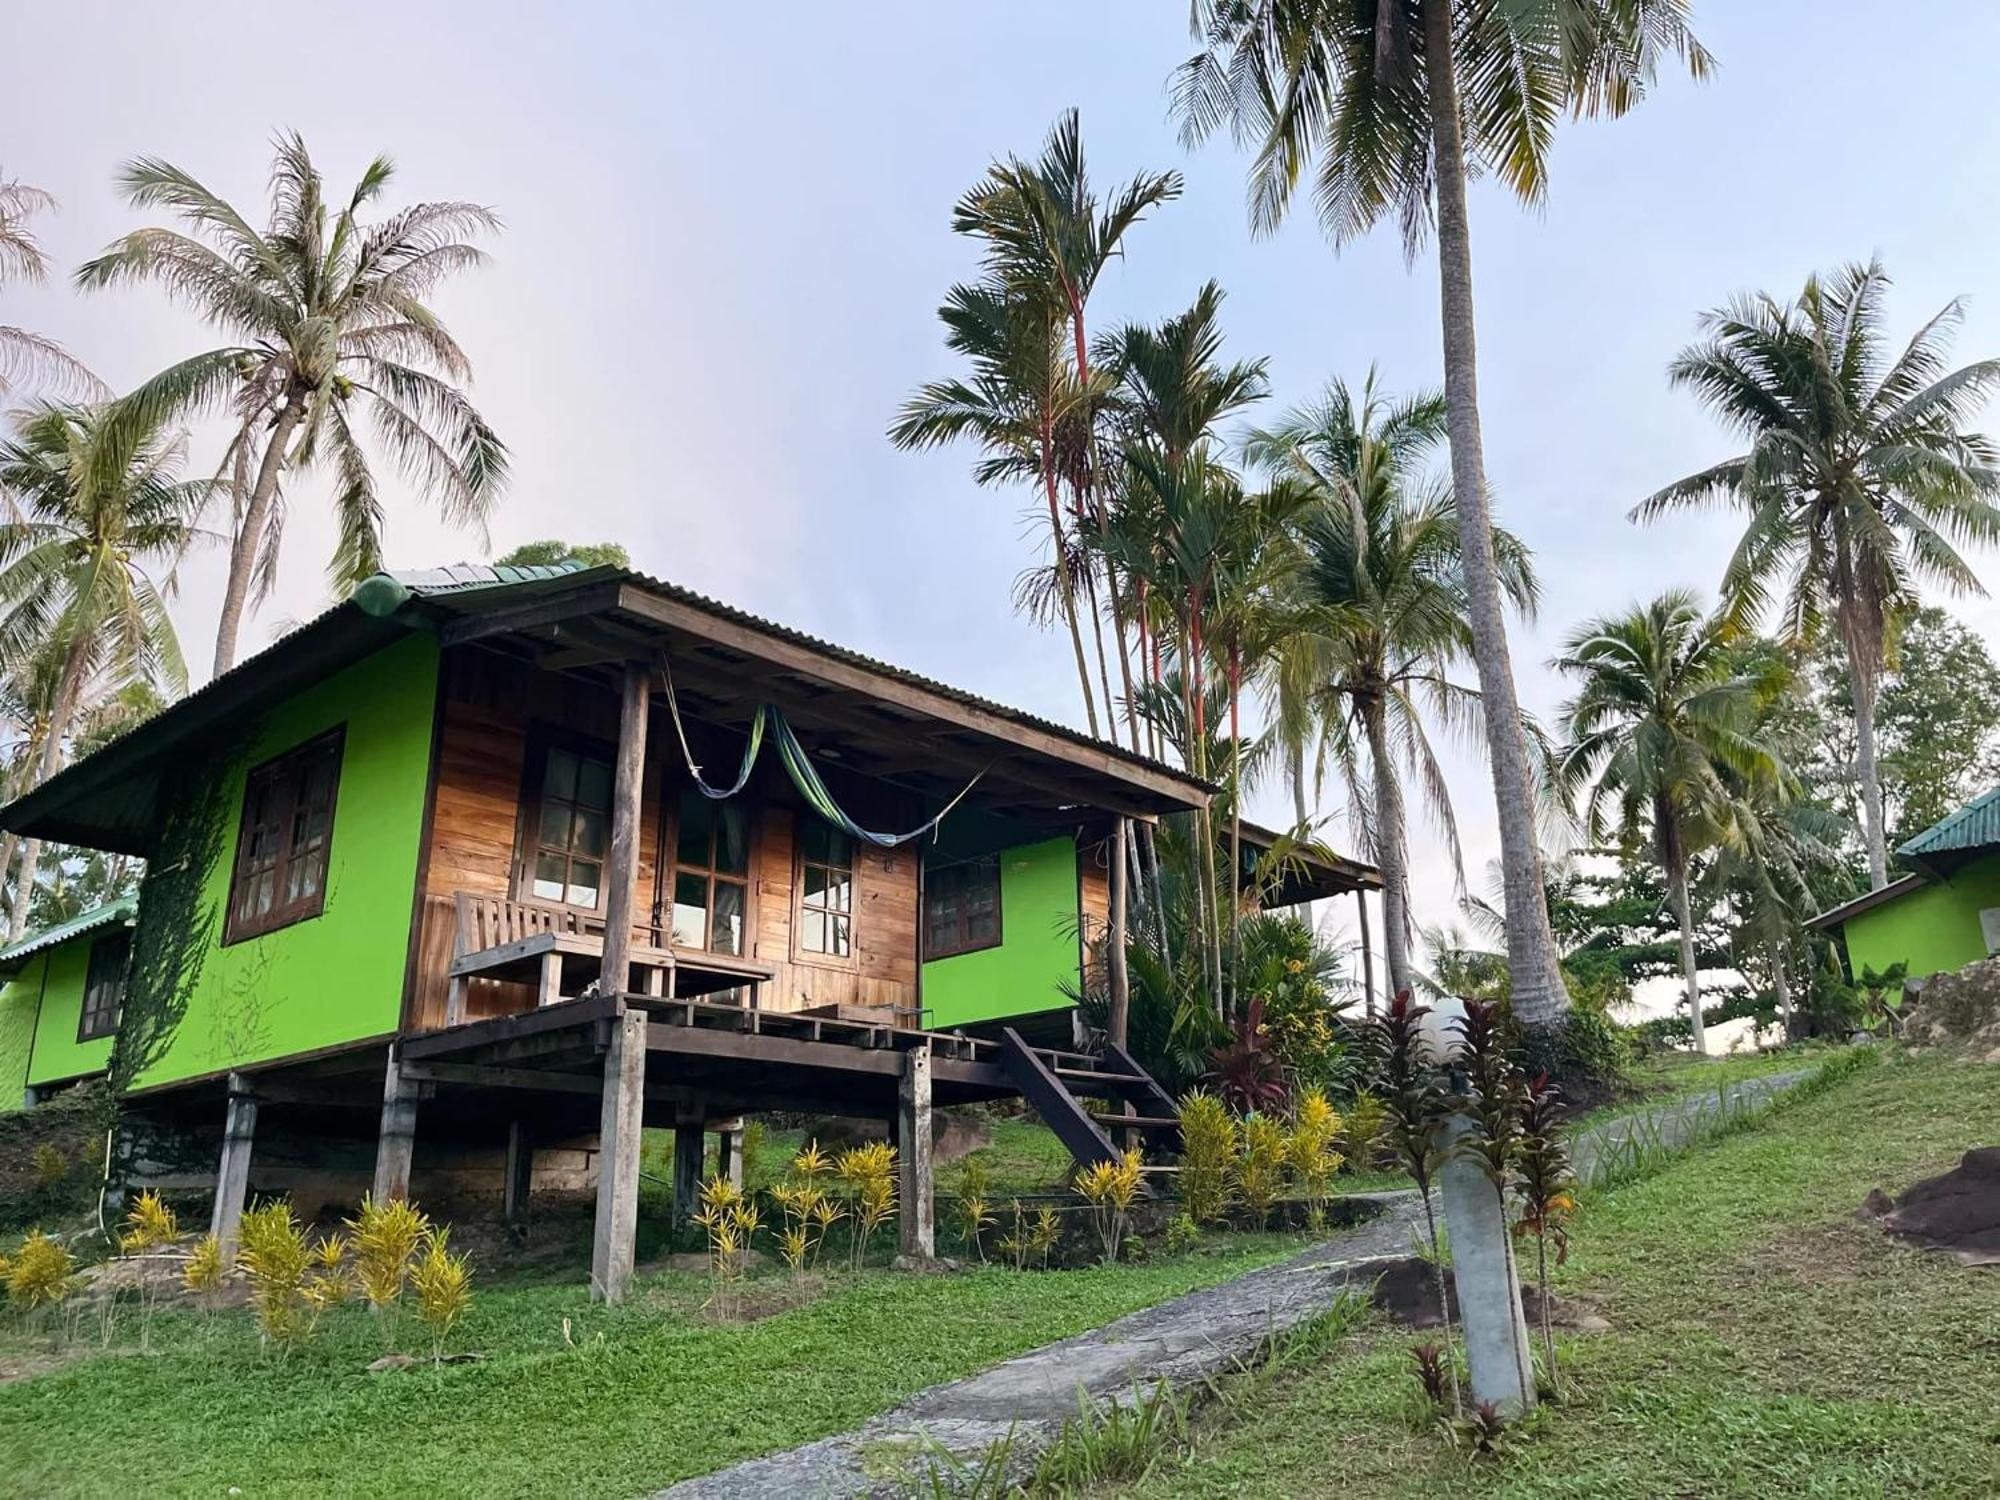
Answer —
(1944, 915)
(51, 979)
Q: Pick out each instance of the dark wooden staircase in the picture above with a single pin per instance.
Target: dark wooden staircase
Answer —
(1071, 1092)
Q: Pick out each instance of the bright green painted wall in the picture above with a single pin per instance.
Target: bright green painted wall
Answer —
(58, 1054)
(19, 998)
(339, 976)
(1933, 928)
(1037, 953)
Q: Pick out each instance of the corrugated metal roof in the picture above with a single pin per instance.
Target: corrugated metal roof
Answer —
(1974, 826)
(121, 910)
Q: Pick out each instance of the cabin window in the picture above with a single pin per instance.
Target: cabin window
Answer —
(572, 830)
(711, 886)
(826, 890)
(282, 846)
(962, 907)
(104, 987)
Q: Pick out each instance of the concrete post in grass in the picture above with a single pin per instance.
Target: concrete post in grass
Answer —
(1482, 1268)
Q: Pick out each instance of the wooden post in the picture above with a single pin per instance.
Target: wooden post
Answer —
(688, 1142)
(916, 1227)
(1367, 953)
(520, 1173)
(396, 1145)
(1114, 940)
(621, 1123)
(729, 1151)
(621, 871)
(232, 1173)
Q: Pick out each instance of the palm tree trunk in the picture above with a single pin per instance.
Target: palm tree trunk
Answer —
(250, 534)
(1867, 770)
(1235, 817)
(1103, 663)
(1781, 987)
(68, 691)
(1539, 996)
(1066, 591)
(1677, 891)
(1390, 849)
(1295, 754)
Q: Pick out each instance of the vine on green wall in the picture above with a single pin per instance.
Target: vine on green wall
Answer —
(172, 936)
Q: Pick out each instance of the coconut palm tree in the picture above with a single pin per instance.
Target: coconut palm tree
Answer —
(1379, 615)
(1401, 101)
(24, 356)
(1861, 481)
(1662, 731)
(102, 507)
(332, 323)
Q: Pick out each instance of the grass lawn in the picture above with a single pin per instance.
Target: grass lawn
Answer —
(633, 1398)
(1764, 1342)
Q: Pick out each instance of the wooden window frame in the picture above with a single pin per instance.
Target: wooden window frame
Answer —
(85, 1013)
(668, 868)
(541, 739)
(849, 962)
(283, 914)
(931, 953)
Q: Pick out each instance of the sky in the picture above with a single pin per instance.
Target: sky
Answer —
(727, 234)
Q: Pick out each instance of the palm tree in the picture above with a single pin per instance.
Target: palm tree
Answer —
(1662, 729)
(1379, 610)
(332, 321)
(1862, 479)
(1049, 240)
(101, 504)
(1401, 101)
(1015, 405)
(28, 356)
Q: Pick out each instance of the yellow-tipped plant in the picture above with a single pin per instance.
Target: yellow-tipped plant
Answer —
(1312, 1151)
(1260, 1174)
(443, 1286)
(148, 1226)
(384, 1238)
(272, 1250)
(869, 1174)
(40, 1274)
(1208, 1154)
(972, 1211)
(731, 1221)
(1110, 1188)
(202, 1275)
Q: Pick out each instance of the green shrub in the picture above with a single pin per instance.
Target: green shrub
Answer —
(1260, 1174)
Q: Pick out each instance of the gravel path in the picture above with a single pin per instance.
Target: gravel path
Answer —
(1204, 1333)
(1201, 1334)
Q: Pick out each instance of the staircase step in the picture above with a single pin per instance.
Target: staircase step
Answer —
(1086, 1077)
(1139, 1122)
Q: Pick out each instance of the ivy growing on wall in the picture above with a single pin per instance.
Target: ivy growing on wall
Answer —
(175, 923)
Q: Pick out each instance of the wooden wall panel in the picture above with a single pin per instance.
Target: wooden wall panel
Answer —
(490, 707)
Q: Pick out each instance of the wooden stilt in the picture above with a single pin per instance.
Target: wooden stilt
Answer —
(396, 1146)
(916, 1228)
(613, 1245)
(729, 1151)
(688, 1144)
(232, 1173)
(1120, 1009)
(520, 1173)
(615, 977)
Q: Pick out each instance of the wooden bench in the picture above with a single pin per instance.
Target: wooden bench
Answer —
(526, 942)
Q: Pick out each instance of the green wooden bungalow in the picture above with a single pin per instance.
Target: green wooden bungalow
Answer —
(518, 860)
(1943, 914)
(61, 991)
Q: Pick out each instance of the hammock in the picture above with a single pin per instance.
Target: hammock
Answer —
(798, 765)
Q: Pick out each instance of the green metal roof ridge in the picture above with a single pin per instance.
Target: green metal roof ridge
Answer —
(1973, 826)
(76, 926)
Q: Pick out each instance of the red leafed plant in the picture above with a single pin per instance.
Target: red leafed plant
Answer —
(1247, 1072)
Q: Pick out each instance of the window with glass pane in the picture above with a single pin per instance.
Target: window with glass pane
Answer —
(711, 874)
(961, 907)
(826, 890)
(283, 842)
(104, 987)
(572, 828)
